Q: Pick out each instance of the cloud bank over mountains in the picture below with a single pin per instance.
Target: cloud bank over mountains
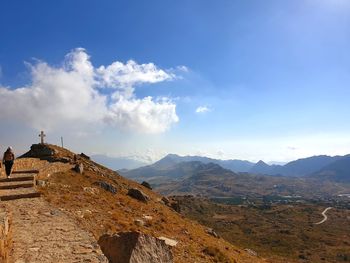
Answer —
(79, 93)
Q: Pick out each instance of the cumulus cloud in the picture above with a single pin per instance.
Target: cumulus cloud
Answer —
(75, 93)
(203, 109)
(156, 116)
(119, 75)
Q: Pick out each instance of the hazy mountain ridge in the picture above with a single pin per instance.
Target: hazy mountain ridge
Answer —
(165, 171)
(338, 171)
(172, 175)
(298, 168)
(211, 180)
(263, 168)
(234, 165)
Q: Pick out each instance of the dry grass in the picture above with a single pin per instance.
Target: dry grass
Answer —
(100, 212)
(284, 233)
(107, 213)
(216, 254)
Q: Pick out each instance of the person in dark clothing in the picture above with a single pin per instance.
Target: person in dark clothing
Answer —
(8, 160)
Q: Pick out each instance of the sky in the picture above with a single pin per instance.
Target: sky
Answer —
(227, 79)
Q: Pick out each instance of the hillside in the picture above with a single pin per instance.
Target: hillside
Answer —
(87, 199)
(305, 166)
(262, 168)
(209, 183)
(233, 165)
(165, 171)
(338, 171)
(281, 232)
(298, 168)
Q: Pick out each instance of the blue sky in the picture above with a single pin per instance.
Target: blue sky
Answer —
(271, 77)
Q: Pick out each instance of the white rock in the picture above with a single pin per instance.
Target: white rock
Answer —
(168, 241)
(147, 217)
(139, 222)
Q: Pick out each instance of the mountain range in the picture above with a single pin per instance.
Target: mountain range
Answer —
(297, 168)
(212, 180)
(193, 174)
(233, 165)
(338, 171)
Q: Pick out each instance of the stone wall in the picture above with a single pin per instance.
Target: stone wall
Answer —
(5, 237)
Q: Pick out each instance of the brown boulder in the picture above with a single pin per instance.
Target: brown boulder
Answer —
(84, 156)
(134, 247)
(176, 206)
(79, 168)
(165, 200)
(146, 184)
(138, 194)
(106, 186)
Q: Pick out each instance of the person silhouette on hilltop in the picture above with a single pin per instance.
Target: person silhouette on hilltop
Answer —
(8, 160)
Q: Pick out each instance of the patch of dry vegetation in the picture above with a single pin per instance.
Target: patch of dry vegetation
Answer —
(216, 254)
(284, 233)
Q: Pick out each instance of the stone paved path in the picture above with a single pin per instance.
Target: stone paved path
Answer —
(42, 234)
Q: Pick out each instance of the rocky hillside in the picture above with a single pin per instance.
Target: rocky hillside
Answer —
(104, 203)
(172, 159)
(165, 172)
(338, 171)
(212, 180)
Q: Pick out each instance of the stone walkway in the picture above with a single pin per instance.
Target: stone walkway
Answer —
(46, 235)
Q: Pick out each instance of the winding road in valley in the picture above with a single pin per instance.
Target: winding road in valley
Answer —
(324, 216)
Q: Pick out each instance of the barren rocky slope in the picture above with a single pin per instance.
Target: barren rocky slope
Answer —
(96, 201)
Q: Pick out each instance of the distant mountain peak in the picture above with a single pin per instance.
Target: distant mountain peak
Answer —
(171, 155)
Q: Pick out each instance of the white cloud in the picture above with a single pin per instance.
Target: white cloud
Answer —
(119, 75)
(72, 94)
(183, 68)
(149, 115)
(203, 109)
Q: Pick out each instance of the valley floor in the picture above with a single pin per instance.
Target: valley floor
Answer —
(280, 233)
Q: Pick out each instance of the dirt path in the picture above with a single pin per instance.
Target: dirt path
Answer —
(43, 234)
(324, 216)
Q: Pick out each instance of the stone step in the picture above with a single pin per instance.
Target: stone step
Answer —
(17, 179)
(25, 172)
(19, 196)
(12, 194)
(15, 186)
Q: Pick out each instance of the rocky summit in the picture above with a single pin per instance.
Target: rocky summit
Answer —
(59, 206)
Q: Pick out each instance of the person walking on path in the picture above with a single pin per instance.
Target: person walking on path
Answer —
(8, 160)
